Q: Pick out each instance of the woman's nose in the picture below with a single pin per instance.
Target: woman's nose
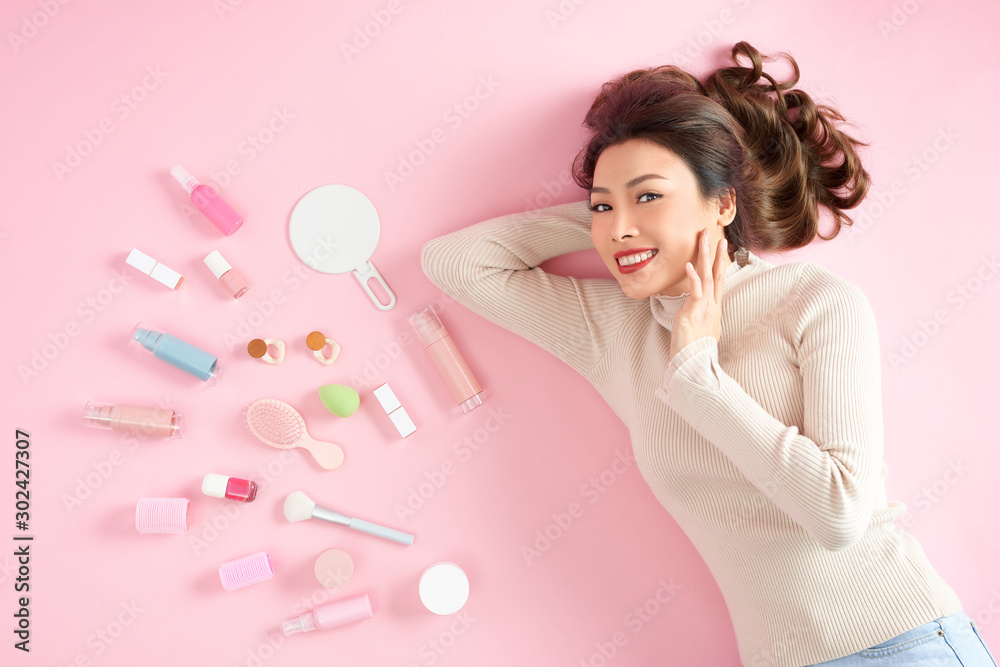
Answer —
(622, 225)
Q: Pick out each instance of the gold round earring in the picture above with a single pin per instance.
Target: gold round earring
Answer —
(317, 341)
(259, 348)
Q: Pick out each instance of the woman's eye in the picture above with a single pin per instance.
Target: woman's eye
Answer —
(648, 194)
(597, 208)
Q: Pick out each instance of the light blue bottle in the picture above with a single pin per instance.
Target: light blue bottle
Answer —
(176, 352)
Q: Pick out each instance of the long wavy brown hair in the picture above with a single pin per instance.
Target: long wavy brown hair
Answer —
(782, 155)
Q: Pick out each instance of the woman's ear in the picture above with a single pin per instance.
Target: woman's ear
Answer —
(727, 206)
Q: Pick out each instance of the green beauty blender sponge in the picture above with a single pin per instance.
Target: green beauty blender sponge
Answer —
(339, 399)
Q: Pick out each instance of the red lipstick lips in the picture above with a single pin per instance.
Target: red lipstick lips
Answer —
(632, 268)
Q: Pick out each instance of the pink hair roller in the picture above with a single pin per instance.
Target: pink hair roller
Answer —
(245, 571)
(163, 515)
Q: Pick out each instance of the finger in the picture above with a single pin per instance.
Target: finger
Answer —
(705, 258)
(695, 280)
(705, 263)
(720, 273)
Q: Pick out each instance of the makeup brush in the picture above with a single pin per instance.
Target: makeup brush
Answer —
(299, 507)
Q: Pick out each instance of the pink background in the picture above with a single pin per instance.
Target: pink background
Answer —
(918, 81)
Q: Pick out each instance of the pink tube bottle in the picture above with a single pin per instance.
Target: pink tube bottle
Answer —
(208, 202)
(449, 361)
(163, 422)
(331, 615)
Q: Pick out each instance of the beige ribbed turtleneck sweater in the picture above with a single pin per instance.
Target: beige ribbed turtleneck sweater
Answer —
(765, 446)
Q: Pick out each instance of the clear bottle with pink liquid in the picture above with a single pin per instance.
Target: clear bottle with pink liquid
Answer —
(208, 202)
(449, 361)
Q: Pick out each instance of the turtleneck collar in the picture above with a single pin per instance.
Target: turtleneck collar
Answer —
(664, 308)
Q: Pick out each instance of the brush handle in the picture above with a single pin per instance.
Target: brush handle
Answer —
(327, 454)
(331, 516)
(381, 531)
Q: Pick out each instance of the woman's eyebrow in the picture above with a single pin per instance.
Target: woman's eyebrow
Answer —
(631, 184)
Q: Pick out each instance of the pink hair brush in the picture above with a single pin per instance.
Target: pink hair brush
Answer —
(279, 425)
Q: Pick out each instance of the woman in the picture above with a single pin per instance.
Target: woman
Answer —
(752, 392)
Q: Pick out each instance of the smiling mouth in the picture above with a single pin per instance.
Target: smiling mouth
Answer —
(637, 260)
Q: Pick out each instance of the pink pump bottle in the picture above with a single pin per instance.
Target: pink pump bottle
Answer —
(331, 615)
(449, 361)
(162, 422)
(208, 202)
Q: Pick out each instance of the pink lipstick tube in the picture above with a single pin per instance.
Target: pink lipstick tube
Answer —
(449, 361)
(161, 422)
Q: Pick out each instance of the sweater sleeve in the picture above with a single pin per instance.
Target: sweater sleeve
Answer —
(826, 477)
(492, 269)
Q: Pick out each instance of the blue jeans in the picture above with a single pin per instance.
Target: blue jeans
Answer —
(949, 640)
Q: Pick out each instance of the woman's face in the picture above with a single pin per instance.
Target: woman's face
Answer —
(645, 198)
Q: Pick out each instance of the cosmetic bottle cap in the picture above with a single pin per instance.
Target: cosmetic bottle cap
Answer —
(386, 398)
(187, 181)
(216, 373)
(145, 337)
(303, 623)
(98, 415)
(214, 485)
(428, 325)
(217, 263)
(473, 403)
